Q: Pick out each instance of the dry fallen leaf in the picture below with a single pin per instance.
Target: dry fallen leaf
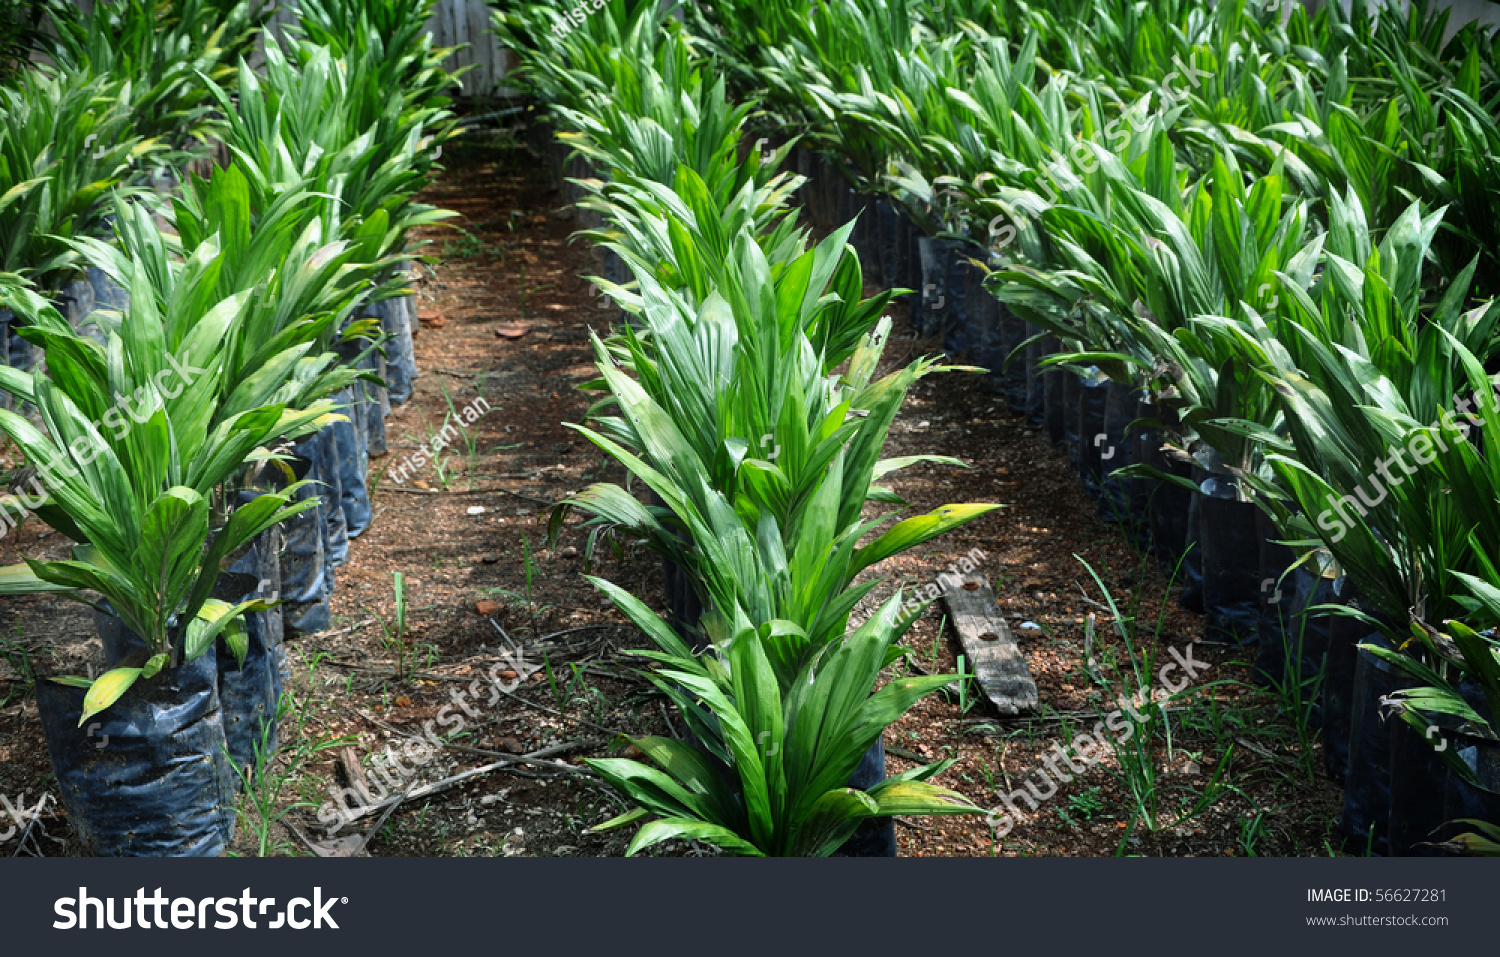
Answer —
(513, 330)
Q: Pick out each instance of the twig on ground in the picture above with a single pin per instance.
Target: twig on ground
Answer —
(436, 787)
(566, 717)
(569, 631)
(344, 631)
(517, 649)
(524, 759)
(668, 719)
(352, 845)
(430, 676)
(529, 498)
(1257, 749)
(534, 762)
(530, 472)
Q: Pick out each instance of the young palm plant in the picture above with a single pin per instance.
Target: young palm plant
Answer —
(162, 48)
(772, 783)
(65, 140)
(135, 440)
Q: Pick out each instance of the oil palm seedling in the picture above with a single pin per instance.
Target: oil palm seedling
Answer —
(565, 63)
(162, 49)
(389, 40)
(66, 139)
(296, 292)
(1362, 366)
(787, 750)
(23, 31)
(1167, 277)
(137, 434)
(772, 536)
(192, 381)
(302, 122)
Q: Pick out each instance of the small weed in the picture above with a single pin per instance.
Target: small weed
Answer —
(1144, 745)
(272, 770)
(530, 566)
(471, 441)
(313, 661)
(393, 635)
(14, 653)
(559, 695)
(467, 246)
(1252, 832)
(1087, 804)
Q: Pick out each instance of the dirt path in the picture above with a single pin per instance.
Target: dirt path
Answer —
(461, 532)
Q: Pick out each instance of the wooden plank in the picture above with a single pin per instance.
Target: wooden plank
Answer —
(347, 768)
(481, 79)
(990, 649)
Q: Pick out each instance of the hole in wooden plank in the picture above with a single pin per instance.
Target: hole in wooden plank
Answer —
(989, 636)
(971, 586)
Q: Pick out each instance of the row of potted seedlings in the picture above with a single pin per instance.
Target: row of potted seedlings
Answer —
(202, 435)
(722, 393)
(1234, 336)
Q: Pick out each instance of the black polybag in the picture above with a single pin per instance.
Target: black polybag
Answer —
(1367, 785)
(893, 246)
(1345, 633)
(1463, 800)
(1277, 606)
(1122, 501)
(1230, 561)
(973, 335)
(249, 692)
(1012, 366)
(1036, 387)
(876, 836)
(306, 562)
(147, 776)
(1089, 432)
(1419, 781)
(1055, 396)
